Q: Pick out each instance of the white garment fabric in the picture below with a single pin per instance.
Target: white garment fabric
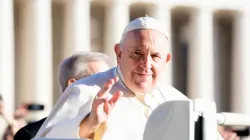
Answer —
(3, 125)
(127, 119)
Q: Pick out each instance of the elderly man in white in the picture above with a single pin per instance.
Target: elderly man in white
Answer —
(121, 99)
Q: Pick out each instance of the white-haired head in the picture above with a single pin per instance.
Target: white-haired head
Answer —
(76, 66)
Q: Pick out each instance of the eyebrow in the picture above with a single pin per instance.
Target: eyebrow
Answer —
(136, 49)
(157, 53)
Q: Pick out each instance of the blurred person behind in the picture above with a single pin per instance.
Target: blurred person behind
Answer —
(20, 114)
(3, 120)
(9, 126)
(77, 66)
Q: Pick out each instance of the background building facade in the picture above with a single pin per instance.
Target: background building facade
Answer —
(209, 42)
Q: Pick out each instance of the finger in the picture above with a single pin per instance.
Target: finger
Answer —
(237, 138)
(225, 135)
(102, 100)
(233, 136)
(107, 86)
(116, 78)
(115, 97)
(107, 107)
(98, 102)
(229, 136)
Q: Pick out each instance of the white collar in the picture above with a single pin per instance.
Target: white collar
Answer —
(117, 72)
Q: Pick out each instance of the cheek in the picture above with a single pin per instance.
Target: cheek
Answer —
(159, 68)
(126, 67)
(131, 64)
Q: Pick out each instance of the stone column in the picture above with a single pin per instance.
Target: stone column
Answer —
(43, 80)
(34, 55)
(200, 62)
(77, 26)
(241, 63)
(24, 40)
(116, 19)
(7, 70)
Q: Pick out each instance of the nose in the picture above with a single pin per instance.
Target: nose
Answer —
(146, 63)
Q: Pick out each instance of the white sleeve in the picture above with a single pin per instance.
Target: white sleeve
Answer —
(64, 130)
(67, 115)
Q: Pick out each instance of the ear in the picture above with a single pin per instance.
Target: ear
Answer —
(169, 56)
(70, 81)
(118, 52)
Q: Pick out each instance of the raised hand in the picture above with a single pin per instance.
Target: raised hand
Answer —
(101, 108)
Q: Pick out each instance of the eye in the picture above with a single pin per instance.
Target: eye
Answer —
(137, 54)
(156, 56)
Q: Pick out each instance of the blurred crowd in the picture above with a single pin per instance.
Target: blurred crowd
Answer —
(9, 126)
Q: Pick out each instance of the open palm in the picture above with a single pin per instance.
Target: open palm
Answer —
(102, 106)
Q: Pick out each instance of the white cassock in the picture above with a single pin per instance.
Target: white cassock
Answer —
(127, 119)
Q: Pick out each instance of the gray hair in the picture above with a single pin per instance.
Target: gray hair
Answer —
(124, 36)
(76, 66)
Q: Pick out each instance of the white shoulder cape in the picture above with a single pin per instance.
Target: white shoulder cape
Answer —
(77, 99)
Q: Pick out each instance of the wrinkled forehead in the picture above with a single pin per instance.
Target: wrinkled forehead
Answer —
(142, 37)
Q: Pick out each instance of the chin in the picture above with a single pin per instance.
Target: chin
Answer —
(143, 88)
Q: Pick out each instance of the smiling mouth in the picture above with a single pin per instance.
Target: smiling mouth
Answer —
(144, 74)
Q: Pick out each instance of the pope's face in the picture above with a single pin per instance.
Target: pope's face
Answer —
(142, 58)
